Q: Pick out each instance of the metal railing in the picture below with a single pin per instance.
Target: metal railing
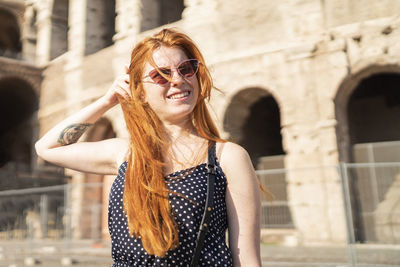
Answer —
(375, 201)
(367, 194)
(370, 193)
(52, 213)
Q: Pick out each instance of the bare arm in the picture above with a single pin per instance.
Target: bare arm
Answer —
(60, 145)
(243, 206)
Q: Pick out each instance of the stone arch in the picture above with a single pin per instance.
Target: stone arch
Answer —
(17, 9)
(159, 12)
(18, 106)
(10, 39)
(367, 108)
(14, 70)
(342, 99)
(380, 91)
(100, 25)
(59, 28)
(252, 119)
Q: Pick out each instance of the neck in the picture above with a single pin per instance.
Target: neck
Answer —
(179, 129)
(185, 147)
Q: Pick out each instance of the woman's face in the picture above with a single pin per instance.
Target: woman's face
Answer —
(173, 101)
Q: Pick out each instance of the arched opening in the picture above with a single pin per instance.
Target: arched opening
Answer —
(374, 110)
(252, 120)
(93, 217)
(100, 25)
(18, 103)
(10, 43)
(59, 28)
(159, 12)
(369, 133)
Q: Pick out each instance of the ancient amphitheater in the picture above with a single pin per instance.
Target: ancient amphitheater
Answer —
(307, 87)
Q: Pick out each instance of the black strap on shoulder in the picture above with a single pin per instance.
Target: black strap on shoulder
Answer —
(205, 222)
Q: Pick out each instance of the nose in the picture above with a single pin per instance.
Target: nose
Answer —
(176, 79)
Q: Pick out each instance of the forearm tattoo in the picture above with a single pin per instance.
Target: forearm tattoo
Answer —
(72, 133)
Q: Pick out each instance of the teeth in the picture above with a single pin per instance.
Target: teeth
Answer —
(180, 95)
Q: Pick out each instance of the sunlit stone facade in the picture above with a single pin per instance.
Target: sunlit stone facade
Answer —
(287, 70)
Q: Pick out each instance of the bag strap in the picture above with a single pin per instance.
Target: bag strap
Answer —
(205, 222)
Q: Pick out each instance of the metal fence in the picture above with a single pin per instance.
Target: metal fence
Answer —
(305, 202)
(52, 213)
(374, 190)
(369, 198)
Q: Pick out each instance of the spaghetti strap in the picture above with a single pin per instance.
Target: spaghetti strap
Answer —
(212, 155)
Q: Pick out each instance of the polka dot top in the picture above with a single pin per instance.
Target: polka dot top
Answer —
(128, 250)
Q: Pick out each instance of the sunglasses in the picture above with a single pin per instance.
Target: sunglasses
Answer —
(186, 69)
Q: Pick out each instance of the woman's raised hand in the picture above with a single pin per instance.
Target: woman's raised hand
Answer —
(119, 88)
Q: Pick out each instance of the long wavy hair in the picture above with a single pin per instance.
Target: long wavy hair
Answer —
(145, 194)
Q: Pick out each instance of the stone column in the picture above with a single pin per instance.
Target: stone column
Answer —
(77, 27)
(128, 18)
(29, 34)
(309, 135)
(43, 33)
(314, 185)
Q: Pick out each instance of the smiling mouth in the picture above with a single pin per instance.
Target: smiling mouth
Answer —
(180, 95)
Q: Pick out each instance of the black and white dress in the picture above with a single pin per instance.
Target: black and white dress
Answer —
(129, 251)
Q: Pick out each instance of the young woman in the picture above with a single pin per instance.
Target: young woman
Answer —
(157, 199)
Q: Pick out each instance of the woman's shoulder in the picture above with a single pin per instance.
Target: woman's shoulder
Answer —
(237, 165)
(230, 154)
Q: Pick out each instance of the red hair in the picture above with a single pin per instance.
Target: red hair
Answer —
(146, 202)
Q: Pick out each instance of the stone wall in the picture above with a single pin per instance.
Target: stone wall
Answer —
(308, 55)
